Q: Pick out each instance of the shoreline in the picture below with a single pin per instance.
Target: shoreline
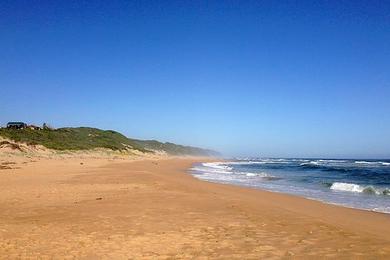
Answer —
(155, 208)
(294, 195)
(313, 202)
(361, 197)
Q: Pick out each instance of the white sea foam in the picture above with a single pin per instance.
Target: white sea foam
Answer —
(249, 174)
(373, 163)
(219, 170)
(341, 186)
(365, 162)
(253, 174)
(310, 163)
(351, 187)
(245, 163)
(331, 161)
(258, 161)
(210, 170)
(217, 165)
(382, 209)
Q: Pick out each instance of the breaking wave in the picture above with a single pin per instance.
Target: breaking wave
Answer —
(351, 187)
(214, 170)
(378, 163)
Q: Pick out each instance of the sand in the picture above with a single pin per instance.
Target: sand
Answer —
(88, 208)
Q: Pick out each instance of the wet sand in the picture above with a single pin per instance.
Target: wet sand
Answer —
(153, 209)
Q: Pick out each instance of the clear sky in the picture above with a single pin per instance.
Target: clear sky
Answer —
(261, 78)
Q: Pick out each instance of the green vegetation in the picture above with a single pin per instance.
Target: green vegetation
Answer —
(85, 138)
(173, 149)
(82, 138)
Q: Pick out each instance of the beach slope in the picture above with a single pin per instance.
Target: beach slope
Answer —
(119, 209)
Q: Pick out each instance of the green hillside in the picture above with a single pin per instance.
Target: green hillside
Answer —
(84, 138)
(173, 149)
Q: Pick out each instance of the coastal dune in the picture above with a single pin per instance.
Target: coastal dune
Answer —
(152, 208)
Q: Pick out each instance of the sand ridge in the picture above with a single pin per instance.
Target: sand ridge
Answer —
(152, 209)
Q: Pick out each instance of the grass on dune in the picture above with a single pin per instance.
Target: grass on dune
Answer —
(85, 138)
(81, 138)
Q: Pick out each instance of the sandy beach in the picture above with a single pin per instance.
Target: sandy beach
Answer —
(152, 208)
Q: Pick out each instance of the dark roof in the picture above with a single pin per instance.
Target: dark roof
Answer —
(16, 123)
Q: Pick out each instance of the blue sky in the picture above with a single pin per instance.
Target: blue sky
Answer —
(261, 78)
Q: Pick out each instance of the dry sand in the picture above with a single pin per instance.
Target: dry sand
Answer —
(119, 209)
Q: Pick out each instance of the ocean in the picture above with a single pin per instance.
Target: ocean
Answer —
(362, 184)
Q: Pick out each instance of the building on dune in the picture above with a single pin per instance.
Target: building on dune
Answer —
(16, 125)
(34, 127)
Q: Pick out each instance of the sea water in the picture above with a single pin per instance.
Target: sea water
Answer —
(362, 184)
